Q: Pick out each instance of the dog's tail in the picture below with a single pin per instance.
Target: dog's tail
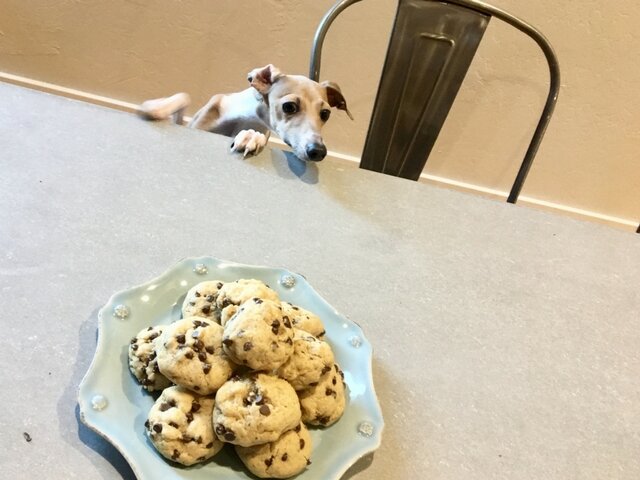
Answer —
(163, 108)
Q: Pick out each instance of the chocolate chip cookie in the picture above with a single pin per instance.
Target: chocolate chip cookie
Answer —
(201, 300)
(311, 358)
(179, 426)
(190, 354)
(254, 409)
(233, 294)
(143, 362)
(324, 403)
(284, 458)
(303, 319)
(258, 336)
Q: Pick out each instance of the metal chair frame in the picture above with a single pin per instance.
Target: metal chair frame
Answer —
(490, 11)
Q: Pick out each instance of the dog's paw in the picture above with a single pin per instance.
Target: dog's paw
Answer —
(249, 142)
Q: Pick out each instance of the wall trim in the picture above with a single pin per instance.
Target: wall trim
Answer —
(625, 224)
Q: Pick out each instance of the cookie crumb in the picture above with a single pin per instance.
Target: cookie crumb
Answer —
(26, 436)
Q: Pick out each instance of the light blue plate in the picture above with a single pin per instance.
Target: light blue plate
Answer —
(114, 405)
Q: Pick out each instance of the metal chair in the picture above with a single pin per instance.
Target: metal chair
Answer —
(431, 47)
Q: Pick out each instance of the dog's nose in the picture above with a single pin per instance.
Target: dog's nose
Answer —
(316, 151)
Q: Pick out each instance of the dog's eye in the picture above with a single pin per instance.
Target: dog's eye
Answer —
(289, 108)
(325, 114)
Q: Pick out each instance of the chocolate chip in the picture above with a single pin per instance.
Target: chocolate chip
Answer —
(189, 417)
(189, 354)
(209, 445)
(202, 356)
(153, 336)
(164, 407)
(157, 428)
(323, 419)
(219, 285)
(334, 380)
(199, 440)
(301, 443)
(196, 388)
(173, 424)
(175, 455)
(134, 347)
(275, 326)
(210, 298)
(220, 429)
(210, 349)
(265, 410)
(284, 457)
(198, 345)
(289, 341)
(206, 309)
(313, 384)
(197, 323)
(134, 340)
(294, 307)
(227, 342)
(153, 356)
(336, 367)
(197, 294)
(206, 368)
(195, 406)
(180, 339)
(229, 436)
(247, 346)
(146, 424)
(298, 428)
(321, 334)
(325, 369)
(268, 462)
(202, 458)
(286, 321)
(193, 304)
(328, 392)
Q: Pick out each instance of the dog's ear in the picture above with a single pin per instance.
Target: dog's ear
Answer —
(335, 98)
(262, 78)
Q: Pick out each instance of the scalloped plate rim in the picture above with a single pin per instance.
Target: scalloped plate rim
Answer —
(375, 440)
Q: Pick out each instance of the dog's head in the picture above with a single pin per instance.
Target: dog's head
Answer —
(298, 108)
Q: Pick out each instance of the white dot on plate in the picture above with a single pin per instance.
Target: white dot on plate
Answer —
(200, 268)
(287, 281)
(365, 429)
(355, 341)
(121, 311)
(99, 402)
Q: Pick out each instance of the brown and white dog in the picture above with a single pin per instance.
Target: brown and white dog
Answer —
(293, 106)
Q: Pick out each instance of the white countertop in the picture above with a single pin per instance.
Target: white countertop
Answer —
(506, 340)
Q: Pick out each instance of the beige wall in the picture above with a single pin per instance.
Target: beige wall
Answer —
(136, 49)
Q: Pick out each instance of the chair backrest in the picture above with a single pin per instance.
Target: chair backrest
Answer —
(431, 48)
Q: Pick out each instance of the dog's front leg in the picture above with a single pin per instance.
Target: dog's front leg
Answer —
(250, 142)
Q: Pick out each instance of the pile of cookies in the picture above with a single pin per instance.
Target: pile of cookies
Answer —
(240, 367)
